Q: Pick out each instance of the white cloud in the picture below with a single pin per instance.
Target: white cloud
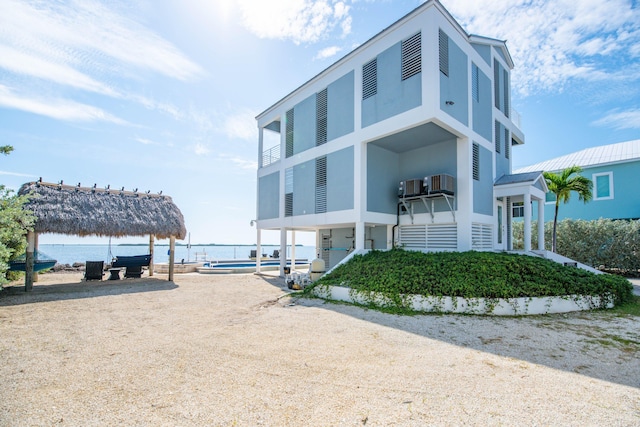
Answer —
(554, 41)
(302, 21)
(241, 125)
(328, 52)
(56, 108)
(201, 149)
(27, 175)
(618, 120)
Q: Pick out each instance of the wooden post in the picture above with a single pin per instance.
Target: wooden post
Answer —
(172, 255)
(151, 239)
(28, 273)
(35, 251)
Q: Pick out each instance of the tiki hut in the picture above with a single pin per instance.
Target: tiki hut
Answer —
(92, 211)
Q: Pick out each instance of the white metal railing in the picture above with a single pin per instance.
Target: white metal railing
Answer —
(270, 156)
(516, 119)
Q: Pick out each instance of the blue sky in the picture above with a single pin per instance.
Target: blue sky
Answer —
(162, 95)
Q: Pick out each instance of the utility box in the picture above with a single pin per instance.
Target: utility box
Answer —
(410, 188)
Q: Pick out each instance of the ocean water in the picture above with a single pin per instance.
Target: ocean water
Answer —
(68, 254)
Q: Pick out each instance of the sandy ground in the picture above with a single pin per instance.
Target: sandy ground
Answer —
(227, 350)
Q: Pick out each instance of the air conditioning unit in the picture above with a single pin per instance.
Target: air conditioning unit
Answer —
(410, 188)
(439, 184)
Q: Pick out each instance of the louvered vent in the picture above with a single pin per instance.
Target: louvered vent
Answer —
(321, 185)
(411, 57)
(321, 117)
(443, 41)
(496, 83)
(413, 236)
(475, 83)
(507, 140)
(481, 237)
(288, 192)
(498, 135)
(505, 82)
(442, 237)
(370, 79)
(289, 133)
(476, 161)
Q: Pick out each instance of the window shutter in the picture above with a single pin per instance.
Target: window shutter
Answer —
(475, 83)
(443, 42)
(507, 144)
(476, 161)
(289, 133)
(370, 79)
(288, 192)
(411, 56)
(505, 88)
(496, 83)
(321, 185)
(321, 117)
(498, 134)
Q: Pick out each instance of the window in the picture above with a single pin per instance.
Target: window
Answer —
(496, 83)
(505, 88)
(518, 209)
(550, 198)
(507, 140)
(370, 79)
(603, 186)
(411, 56)
(476, 161)
(443, 41)
(321, 184)
(475, 83)
(498, 135)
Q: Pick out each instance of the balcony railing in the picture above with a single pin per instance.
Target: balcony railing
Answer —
(270, 156)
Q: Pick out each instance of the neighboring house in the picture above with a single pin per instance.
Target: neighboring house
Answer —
(615, 172)
(407, 141)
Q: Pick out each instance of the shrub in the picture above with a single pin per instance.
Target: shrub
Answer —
(611, 245)
(398, 272)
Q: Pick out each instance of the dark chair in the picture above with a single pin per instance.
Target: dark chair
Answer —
(253, 254)
(276, 254)
(94, 270)
(134, 271)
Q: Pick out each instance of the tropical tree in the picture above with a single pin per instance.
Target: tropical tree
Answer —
(562, 184)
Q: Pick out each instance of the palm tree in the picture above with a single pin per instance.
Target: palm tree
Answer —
(562, 184)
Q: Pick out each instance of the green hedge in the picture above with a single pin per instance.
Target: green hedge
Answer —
(470, 275)
(610, 245)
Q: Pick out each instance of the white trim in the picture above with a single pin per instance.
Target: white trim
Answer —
(595, 185)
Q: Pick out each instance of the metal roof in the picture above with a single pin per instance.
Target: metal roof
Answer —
(518, 178)
(602, 155)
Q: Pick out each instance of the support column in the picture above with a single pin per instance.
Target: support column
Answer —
(172, 255)
(527, 222)
(28, 273)
(35, 252)
(151, 241)
(540, 225)
(293, 250)
(258, 249)
(389, 236)
(283, 250)
(359, 235)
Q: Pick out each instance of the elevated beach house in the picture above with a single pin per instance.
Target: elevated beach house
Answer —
(406, 141)
(614, 170)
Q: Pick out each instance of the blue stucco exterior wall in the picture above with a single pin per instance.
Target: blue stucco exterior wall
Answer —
(340, 107)
(268, 200)
(484, 51)
(455, 87)
(482, 108)
(502, 163)
(483, 188)
(304, 125)
(624, 205)
(340, 180)
(304, 192)
(382, 180)
(394, 95)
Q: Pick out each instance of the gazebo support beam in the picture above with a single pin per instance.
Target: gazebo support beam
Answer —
(28, 273)
(151, 240)
(172, 256)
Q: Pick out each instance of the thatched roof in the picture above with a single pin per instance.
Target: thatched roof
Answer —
(82, 211)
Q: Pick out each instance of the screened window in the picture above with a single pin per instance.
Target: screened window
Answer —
(603, 186)
(518, 209)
